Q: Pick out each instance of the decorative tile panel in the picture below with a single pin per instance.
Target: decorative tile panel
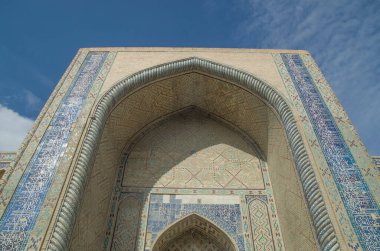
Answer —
(319, 157)
(23, 209)
(260, 223)
(350, 135)
(223, 211)
(34, 136)
(125, 235)
(52, 196)
(356, 196)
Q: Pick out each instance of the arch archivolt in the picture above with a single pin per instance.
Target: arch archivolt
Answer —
(249, 104)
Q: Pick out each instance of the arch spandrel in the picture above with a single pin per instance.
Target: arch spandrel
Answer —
(66, 218)
(260, 65)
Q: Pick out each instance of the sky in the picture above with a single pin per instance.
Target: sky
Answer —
(39, 39)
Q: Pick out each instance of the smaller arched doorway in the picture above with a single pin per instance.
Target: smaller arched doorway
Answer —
(193, 232)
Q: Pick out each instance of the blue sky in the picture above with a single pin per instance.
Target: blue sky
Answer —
(39, 38)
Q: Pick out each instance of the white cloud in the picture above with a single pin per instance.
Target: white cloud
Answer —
(32, 101)
(13, 129)
(344, 38)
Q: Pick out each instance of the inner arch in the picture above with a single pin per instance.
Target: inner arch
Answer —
(195, 233)
(191, 150)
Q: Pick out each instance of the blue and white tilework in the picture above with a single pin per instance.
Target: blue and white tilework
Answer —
(360, 205)
(24, 207)
(223, 211)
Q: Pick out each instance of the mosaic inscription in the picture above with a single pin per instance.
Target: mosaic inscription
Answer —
(24, 207)
(357, 198)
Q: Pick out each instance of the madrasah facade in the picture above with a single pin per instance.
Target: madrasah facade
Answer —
(191, 149)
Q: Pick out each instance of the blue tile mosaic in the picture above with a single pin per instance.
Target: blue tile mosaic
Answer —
(24, 207)
(226, 216)
(361, 207)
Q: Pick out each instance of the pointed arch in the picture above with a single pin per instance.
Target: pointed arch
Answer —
(194, 223)
(62, 229)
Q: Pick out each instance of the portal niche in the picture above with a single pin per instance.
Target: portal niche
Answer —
(182, 172)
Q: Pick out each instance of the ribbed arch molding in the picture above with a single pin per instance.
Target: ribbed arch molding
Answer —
(60, 237)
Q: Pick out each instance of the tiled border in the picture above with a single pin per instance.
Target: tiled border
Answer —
(66, 218)
(49, 205)
(350, 135)
(321, 164)
(9, 182)
(354, 191)
(30, 143)
(25, 205)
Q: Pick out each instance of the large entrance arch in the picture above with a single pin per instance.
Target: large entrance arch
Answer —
(271, 98)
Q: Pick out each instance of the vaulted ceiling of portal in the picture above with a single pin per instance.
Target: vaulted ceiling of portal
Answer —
(218, 97)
